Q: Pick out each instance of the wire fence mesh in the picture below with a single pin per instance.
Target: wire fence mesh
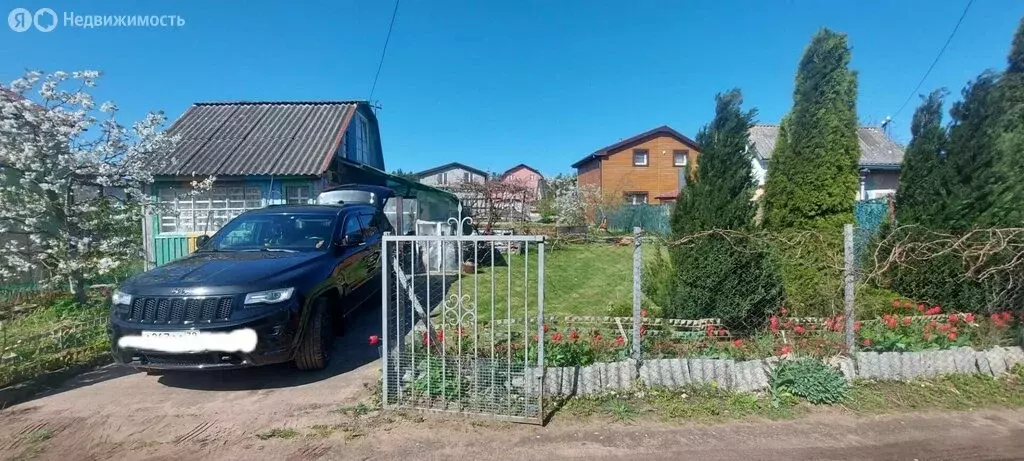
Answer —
(462, 325)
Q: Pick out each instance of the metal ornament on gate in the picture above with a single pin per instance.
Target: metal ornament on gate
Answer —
(467, 340)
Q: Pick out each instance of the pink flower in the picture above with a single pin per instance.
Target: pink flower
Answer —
(774, 324)
(374, 340)
(969, 318)
(785, 349)
(953, 318)
(856, 326)
(927, 336)
(620, 340)
(896, 303)
(951, 336)
(643, 312)
(866, 342)
(738, 343)
(935, 310)
(921, 307)
(556, 337)
(907, 321)
(799, 330)
(573, 335)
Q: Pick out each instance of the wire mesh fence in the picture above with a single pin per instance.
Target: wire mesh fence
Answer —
(757, 294)
(462, 325)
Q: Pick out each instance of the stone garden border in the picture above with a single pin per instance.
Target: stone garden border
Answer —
(752, 375)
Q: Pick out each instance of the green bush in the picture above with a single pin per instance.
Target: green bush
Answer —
(810, 266)
(810, 379)
(733, 280)
(656, 280)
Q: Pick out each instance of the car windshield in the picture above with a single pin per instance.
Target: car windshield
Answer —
(284, 232)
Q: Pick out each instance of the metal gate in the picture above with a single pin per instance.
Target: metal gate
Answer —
(462, 328)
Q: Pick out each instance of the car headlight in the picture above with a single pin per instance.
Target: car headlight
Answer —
(269, 296)
(120, 297)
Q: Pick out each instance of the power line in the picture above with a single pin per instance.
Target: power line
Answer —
(385, 50)
(936, 61)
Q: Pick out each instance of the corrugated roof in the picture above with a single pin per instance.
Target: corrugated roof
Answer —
(258, 138)
(876, 149)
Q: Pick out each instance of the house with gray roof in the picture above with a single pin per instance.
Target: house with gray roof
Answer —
(879, 165)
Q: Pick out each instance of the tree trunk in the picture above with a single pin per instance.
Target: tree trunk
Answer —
(78, 287)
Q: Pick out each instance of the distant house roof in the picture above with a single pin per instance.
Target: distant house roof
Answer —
(450, 166)
(524, 166)
(258, 138)
(876, 149)
(661, 130)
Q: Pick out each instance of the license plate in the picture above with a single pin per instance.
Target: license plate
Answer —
(171, 334)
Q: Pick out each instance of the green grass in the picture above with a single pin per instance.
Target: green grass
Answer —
(52, 337)
(278, 433)
(588, 279)
(956, 392)
(709, 404)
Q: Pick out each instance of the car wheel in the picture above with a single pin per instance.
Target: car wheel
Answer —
(315, 350)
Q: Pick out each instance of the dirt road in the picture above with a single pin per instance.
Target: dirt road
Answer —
(275, 413)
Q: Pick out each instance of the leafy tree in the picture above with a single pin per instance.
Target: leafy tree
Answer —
(720, 197)
(812, 177)
(405, 174)
(1008, 201)
(732, 279)
(921, 197)
(970, 153)
(70, 176)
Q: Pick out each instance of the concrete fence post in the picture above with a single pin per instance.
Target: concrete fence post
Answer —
(849, 286)
(637, 263)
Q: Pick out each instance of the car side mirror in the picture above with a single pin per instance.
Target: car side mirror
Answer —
(201, 240)
(352, 240)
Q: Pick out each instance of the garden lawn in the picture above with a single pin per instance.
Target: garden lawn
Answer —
(586, 279)
(52, 337)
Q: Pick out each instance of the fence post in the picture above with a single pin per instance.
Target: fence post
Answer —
(849, 288)
(637, 261)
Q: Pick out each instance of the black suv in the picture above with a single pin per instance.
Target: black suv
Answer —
(268, 287)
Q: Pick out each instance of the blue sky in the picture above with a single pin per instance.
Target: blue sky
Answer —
(497, 83)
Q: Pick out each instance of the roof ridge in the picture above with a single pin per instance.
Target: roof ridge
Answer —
(280, 103)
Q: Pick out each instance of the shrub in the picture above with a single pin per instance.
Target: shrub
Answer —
(808, 378)
(733, 280)
(809, 265)
(656, 279)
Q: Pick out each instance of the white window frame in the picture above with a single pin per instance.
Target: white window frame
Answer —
(646, 157)
(632, 198)
(297, 194)
(189, 212)
(684, 154)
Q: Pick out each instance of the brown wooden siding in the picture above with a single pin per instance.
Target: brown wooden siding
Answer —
(589, 174)
(659, 177)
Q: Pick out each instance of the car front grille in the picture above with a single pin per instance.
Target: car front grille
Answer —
(180, 310)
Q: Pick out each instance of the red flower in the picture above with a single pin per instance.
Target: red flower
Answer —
(935, 310)
(785, 349)
(927, 336)
(374, 340)
(907, 321)
(799, 330)
(1006, 316)
(774, 323)
(556, 337)
(620, 340)
(951, 336)
(426, 338)
(710, 330)
(944, 327)
(545, 328)
(908, 305)
(866, 342)
(891, 322)
(440, 336)
(953, 318)
(738, 343)
(896, 303)
(643, 330)
(931, 325)
(921, 307)
(721, 332)
(998, 321)
(597, 337)
(969, 318)
(643, 312)
(573, 335)
(856, 326)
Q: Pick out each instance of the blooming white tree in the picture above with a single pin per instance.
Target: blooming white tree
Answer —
(71, 179)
